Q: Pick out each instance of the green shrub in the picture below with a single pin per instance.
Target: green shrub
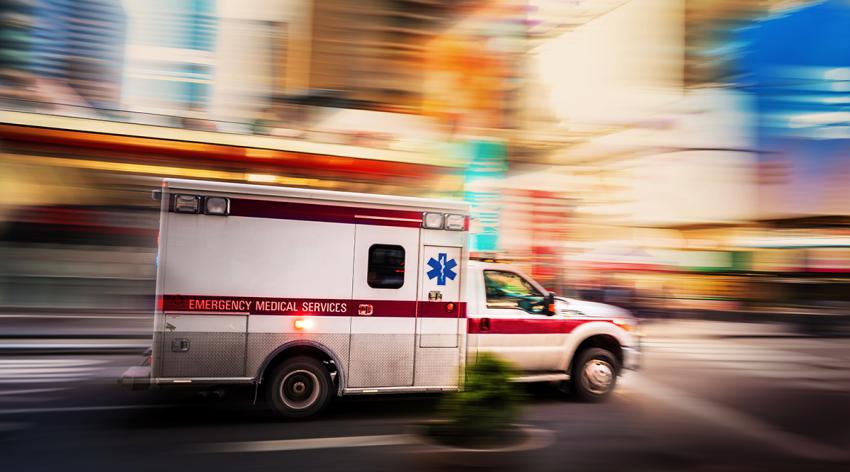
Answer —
(485, 409)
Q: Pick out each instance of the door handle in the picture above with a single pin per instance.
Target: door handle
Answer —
(180, 345)
(485, 324)
(365, 309)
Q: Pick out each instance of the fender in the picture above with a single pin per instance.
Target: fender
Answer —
(303, 342)
(586, 330)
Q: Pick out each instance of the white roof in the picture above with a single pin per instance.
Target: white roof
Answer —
(321, 195)
(474, 264)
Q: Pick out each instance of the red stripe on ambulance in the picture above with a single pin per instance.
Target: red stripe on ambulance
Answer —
(524, 325)
(311, 306)
(326, 213)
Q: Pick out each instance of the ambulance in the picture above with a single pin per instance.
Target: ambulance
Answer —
(308, 295)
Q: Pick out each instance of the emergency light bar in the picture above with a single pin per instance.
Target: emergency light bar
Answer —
(217, 206)
(455, 222)
(432, 220)
(443, 221)
(194, 204)
(186, 204)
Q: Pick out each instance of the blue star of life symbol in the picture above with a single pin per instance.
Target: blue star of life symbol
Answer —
(442, 268)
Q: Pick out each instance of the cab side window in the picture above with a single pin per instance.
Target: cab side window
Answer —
(509, 290)
(386, 266)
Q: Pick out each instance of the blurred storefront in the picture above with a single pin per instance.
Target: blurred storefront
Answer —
(475, 85)
(78, 191)
(798, 78)
(604, 79)
(672, 158)
(196, 89)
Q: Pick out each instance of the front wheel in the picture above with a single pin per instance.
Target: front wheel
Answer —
(299, 387)
(594, 375)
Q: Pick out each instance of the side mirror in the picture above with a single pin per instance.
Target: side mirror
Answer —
(551, 310)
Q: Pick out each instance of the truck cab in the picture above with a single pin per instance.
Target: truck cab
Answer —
(548, 338)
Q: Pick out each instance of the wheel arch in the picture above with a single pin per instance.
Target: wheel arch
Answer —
(302, 347)
(605, 341)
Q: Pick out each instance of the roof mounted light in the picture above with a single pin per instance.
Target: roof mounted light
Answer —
(455, 222)
(432, 220)
(217, 206)
(187, 203)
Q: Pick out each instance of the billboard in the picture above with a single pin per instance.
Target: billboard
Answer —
(797, 66)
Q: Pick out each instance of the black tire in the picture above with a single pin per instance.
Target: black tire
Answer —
(299, 387)
(594, 375)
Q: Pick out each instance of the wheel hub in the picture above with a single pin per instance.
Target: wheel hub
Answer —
(598, 376)
(299, 389)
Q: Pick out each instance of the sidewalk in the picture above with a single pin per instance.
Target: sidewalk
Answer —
(701, 328)
(813, 322)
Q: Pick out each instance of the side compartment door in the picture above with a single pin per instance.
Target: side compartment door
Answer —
(204, 345)
(383, 326)
(438, 350)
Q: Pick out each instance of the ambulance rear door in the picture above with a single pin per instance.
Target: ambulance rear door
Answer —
(203, 328)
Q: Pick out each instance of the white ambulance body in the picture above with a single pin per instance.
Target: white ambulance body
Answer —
(312, 294)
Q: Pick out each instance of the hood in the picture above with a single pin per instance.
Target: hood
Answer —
(595, 309)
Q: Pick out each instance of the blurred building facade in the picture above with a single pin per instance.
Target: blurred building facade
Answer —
(197, 89)
(682, 168)
(170, 66)
(651, 146)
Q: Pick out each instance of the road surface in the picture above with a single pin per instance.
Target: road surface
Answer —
(712, 397)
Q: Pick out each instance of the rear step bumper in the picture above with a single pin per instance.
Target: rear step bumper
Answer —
(136, 377)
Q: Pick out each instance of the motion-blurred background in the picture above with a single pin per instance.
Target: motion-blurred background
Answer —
(673, 156)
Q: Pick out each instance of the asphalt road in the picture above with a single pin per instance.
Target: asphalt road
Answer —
(712, 397)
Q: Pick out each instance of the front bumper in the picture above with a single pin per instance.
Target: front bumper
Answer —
(632, 358)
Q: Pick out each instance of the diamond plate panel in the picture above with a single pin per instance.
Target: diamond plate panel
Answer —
(261, 345)
(384, 360)
(209, 355)
(381, 360)
(438, 366)
(438, 340)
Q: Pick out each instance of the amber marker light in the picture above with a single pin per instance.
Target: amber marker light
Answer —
(302, 324)
(626, 324)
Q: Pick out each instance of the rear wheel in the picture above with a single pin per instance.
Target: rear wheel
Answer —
(299, 387)
(594, 375)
